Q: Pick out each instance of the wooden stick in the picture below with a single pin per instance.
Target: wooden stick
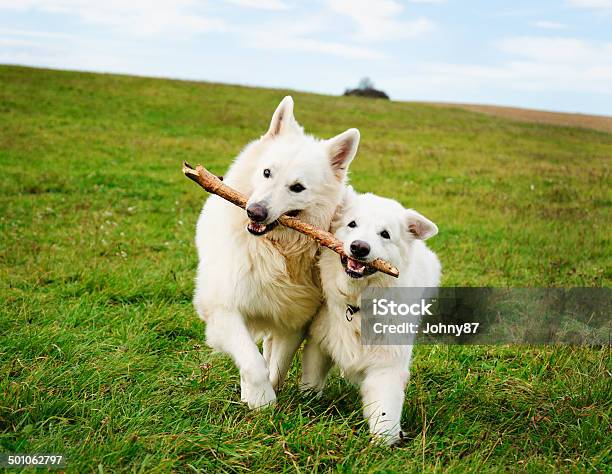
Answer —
(214, 185)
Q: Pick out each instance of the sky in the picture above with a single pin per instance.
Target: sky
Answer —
(551, 55)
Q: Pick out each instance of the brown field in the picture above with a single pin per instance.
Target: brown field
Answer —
(596, 122)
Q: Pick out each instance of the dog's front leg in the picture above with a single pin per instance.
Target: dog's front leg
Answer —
(382, 392)
(315, 366)
(244, 392)
(280, 351)
(226, 332)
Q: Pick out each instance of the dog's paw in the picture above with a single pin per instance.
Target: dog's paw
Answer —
(258, 396)
(391, 439)
(311, 391)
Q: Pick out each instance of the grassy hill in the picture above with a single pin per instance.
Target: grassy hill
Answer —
(102, 356)
(596, 122)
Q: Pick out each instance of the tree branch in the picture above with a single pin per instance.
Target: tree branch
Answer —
(215, 185)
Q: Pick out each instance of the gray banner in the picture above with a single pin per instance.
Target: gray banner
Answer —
(405, 316)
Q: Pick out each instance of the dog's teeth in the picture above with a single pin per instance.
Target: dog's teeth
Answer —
(256, 227)
(355, 265)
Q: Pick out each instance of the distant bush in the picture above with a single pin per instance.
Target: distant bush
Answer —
(366, 89)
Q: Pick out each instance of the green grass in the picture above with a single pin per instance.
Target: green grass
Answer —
(101, 354)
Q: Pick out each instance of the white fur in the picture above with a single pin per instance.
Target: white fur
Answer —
(252, 286)
(382, 372)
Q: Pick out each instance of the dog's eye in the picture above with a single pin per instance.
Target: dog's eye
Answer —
(385, 235)
(352, 224)
(267, 173)
(297, 188)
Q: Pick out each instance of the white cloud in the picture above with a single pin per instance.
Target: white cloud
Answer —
(567, 65)
(548, 25)
(33, 33)
(182, 18)
(428, 1)
(84, 59)
(10, 42)
(379, 21)
(138, 17)
(300, 38)
(323, 47)
(262, 4)
(549, 50)
(591, 4)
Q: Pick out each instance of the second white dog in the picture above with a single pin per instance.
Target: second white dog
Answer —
(370, 227)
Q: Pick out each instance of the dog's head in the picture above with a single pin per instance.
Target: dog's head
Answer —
(296, 174)
(375, 227)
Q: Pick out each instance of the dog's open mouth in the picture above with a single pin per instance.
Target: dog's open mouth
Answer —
(356, 268)
(261, 229)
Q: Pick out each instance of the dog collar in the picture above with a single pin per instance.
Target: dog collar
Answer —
(350, 311)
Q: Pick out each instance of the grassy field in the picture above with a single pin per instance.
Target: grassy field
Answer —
(101, 354)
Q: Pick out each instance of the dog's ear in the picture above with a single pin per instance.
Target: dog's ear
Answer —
(283, 120)
(342, 149)
(347, 195)
(419, 227)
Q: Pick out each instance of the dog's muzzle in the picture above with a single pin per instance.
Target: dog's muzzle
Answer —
(356, 268)
(258, 214)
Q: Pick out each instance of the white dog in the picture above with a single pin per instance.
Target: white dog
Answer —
(370, 227)
(258, 279)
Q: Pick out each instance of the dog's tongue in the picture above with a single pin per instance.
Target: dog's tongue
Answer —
(355, 265)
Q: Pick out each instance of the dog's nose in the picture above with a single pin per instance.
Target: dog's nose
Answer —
(359, 248)
(257, 212)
